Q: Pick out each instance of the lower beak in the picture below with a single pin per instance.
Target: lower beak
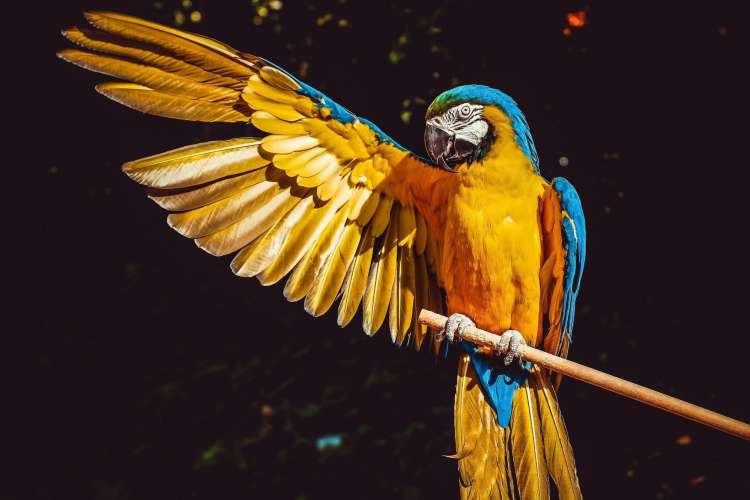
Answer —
(438, 143)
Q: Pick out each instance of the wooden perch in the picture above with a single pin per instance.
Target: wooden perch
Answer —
(601, 379)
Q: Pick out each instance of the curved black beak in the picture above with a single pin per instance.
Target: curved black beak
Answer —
(439, 145)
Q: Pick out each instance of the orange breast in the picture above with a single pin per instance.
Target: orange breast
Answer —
(492, 254)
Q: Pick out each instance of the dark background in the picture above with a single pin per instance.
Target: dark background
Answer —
(140, 367)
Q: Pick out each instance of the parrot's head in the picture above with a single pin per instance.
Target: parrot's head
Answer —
(465, 123)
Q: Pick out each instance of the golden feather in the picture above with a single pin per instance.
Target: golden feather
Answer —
(279, 110)
(205, 194)
(402, 296)
(247, 229)
(330, 186)
(146, 54)
(197, 164)
(331, 276)
(437, 305)
(482, 446)
(330, 140)
(353, 289)
(557, 449)
(304, 274)
(380, 281)
(298, 159)
(467, 419)
(270, 92)
(157, 103)
(218, 215)
(529, 464)
(292, 245)
(154, 78)
(359, 198)
(266, 122)
(422, 297)
(407, 226)
(420, 241)
(330, 168)
(314, 166)
(267, 248)
(368, 209)
(278, 78)
(195, 49)
(382, 216)
(284, 144)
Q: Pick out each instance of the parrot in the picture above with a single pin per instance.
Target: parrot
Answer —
(328, 200)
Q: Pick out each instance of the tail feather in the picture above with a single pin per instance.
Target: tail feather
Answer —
(467, 415)
(527, 449)
(482, 446)
(557, 449)
(515, 462)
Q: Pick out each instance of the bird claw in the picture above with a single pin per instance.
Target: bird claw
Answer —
(455, 326)
(510, 342)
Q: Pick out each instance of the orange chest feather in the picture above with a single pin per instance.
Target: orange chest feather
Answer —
(492, 253)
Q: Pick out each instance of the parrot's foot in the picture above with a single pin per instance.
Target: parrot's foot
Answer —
(455, 326)
(510, 342)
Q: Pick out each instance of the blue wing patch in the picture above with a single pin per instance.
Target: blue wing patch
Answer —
(338, 112)
(574, 242)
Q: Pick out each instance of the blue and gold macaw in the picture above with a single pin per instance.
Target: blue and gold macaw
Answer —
(329, 199)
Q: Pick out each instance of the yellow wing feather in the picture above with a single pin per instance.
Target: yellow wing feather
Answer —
(197, 164)
(329, 279)
(178, 200)
(356, 280)
(421, 297)
(380, 282)
(235, 236)
(301, 280)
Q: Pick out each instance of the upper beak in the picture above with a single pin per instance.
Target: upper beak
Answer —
(439, 143)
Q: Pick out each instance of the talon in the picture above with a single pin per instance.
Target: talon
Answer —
(455, 327)
(510, 342)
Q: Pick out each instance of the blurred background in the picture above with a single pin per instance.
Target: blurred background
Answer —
(140, 367)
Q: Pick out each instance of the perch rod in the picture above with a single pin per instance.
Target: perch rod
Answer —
(601, 379)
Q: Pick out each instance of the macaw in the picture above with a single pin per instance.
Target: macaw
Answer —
(331, 200)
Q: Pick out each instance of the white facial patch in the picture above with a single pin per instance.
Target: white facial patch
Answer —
(465, 121)
(474, 132)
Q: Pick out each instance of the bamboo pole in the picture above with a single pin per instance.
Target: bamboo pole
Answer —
(601, 379)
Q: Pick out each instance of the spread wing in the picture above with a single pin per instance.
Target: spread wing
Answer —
(564, 236)
(326, 197)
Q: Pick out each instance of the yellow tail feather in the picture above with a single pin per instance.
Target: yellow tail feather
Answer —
(515, 462)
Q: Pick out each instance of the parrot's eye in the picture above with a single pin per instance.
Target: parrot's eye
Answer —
(464, 111)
